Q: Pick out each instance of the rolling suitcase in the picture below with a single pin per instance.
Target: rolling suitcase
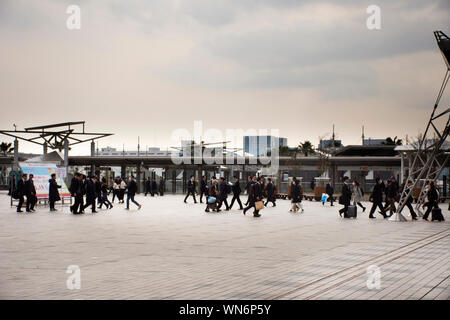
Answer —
(351, 212)
(436, 214)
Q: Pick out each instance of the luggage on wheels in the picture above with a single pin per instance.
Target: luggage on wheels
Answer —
(436, 214)
(351, 212)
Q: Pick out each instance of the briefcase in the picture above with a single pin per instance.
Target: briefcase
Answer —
(259, 205)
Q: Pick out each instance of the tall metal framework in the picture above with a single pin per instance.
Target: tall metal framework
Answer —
(430, 158)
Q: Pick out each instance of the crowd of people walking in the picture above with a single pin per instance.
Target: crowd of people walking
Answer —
(216, 192)
(90, 191)
(94, 190)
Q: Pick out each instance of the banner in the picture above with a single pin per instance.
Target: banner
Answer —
(41, 173)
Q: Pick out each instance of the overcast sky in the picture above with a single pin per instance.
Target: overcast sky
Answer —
(148, 68)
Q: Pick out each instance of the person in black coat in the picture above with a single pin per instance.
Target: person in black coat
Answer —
(329, 190)
(76, 191)
(255, 195)
(433, 198)
(296, 195)
(104, 197)
(247, 188)
(91, 193)
(98, 189)
(131, 192)
(154, 187)
(148, 186)
(270, 189)
(162, 186)
(236, 188)
(53, 192)
(409, 201)
(223, 194)
(377, 198)
(30, 190)
(73, 188)
(21, 191)
(190, 189)
(203, 189)
(392, 195)
(346, 196)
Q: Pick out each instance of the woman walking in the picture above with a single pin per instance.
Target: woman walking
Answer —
(122, 188)
(116, 189)
(357, 195)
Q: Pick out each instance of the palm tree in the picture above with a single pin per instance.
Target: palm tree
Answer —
(5, 148)
(284, 151)
(393, 142)
(306, 148)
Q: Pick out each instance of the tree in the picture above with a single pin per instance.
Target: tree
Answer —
(6, 147)
(284, 151)
(393, 142)
(306, 148)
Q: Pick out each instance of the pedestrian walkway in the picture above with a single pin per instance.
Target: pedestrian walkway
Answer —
(172, 250)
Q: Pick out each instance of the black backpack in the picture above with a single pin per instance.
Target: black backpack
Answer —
(15, 194)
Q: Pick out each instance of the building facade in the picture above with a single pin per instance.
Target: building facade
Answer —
(261, 145)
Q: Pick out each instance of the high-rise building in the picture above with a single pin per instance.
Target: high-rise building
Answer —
(261, 145)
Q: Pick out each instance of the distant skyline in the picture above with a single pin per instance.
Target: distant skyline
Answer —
(147, 68)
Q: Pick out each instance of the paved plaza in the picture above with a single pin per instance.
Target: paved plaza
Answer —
(172, 250)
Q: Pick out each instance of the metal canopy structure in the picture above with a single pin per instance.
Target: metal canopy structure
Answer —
(56, 135)
(430, 158)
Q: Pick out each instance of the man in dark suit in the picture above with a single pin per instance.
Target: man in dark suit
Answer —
(91, 193)
(255, 195)
(223, 194)
(433, 199)
(73, 187)
(247, 188)
(377, 198)
(53, 192)
(409, 202)
(190, 189)
(329, 190)
(98, 190)
(270, 188)
(154, 187)
(76, 190)
(236, 188)
(203, 189)
(30, 193)
(162, 186)
(131, 192)
(21, 191)
(148, 186)
(346, 196)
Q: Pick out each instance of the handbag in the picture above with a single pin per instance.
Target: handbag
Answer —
(212, 200)
(259, 205)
